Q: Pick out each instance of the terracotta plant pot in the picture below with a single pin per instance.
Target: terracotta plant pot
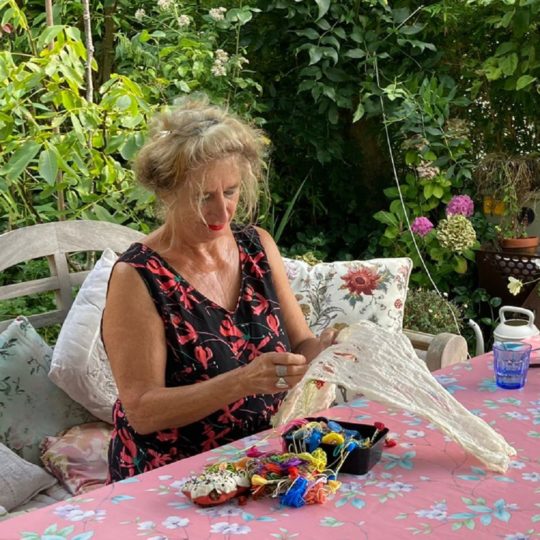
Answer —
(526, 245)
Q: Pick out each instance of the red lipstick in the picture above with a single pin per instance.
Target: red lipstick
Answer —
(216, 227)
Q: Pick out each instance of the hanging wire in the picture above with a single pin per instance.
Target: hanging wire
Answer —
(402, 200)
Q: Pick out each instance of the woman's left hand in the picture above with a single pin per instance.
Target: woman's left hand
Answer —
(312, 347)
(327, 337)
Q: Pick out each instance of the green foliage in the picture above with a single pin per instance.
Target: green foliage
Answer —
(350, 93)
(427, 311)
(64, 156)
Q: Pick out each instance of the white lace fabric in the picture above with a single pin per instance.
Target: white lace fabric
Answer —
(384, 367)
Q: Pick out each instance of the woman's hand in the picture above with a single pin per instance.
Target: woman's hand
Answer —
(314, 346)
(326, 338)
(262, 374)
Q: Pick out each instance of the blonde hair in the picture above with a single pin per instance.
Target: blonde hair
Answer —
(192, 135)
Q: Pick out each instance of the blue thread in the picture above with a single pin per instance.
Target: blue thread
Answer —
(314, 441)
(334, 426)
(352, 445)
(294, 496)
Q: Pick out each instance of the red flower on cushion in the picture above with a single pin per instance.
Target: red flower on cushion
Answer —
(361, 281)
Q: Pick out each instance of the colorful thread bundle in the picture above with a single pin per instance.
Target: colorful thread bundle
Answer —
(300, 475)
(297, 479)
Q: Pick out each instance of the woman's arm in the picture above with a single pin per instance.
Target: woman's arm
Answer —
(300, 336)
(134, 338)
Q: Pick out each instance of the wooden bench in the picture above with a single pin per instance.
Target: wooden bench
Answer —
(55, 241)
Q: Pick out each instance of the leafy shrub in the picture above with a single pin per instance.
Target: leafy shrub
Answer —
(427, 311)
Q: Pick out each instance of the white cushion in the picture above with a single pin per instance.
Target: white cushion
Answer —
(19, 479)
(79, 364)
(340, 293)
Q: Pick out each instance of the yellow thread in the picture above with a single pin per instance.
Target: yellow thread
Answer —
(333, 438)
(258, 480)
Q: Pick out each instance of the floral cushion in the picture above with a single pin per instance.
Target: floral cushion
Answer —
(340, 293)
(31, 406)
(78, 458)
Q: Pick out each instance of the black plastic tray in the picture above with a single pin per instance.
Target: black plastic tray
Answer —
(360, 460)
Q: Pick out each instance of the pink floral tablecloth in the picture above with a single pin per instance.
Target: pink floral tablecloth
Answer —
(426, 485)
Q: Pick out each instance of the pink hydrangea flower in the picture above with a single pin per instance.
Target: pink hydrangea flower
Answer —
(460, 205)
(421, 226)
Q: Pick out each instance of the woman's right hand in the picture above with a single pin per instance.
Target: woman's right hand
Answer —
(261, 374)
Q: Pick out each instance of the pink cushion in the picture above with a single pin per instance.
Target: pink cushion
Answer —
(78, 458)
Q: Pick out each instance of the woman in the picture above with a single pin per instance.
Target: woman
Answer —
(201, 327)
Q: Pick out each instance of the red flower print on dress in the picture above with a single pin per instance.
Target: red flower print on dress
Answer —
(203, 354)
(228, 329)
(398, 304)
(227, 416)
(157, 459)
(273, 323)
(186, 297)
(260, 304)
(167, 435)
(189, 334)
(361, 281)
(257, 349)
(255, 268)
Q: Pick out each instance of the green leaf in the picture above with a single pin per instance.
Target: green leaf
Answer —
(102, 214)
(412, 29)
(411, 157)
(399, 15)
(521, 22)
(48, 35)
(324, 6)
(428, 190)
(48, 166)
(360, 111)
(20, 159)
(460, 264)
(387, 218)
(123, 102)
(315, 54)
(245, 16)
(355, 53)
(129, 148)
(524, 81)
(508, 64)
(505, 48)
(310, 33)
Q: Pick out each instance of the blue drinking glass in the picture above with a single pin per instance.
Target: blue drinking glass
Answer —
(511, 363)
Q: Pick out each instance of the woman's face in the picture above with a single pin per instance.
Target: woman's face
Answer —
(209, 199)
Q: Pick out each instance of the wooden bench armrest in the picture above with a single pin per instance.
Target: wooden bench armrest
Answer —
(441, 350)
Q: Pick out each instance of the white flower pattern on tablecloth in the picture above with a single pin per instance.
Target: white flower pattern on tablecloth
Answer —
(229, 528)
(437, 511)
(72, 512)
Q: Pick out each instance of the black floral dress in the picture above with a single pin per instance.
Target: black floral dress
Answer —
(203, 340)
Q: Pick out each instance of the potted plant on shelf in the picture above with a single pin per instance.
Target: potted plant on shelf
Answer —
(507, 183)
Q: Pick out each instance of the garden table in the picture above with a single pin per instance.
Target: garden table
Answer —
(426, 484)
